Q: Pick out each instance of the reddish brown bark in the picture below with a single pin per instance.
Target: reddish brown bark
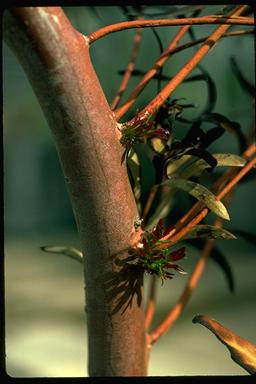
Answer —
(56, 60)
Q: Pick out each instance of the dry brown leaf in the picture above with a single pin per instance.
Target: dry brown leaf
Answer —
(242, 351)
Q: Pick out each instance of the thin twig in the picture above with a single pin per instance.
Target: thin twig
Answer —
(187, 68)
(250, 150)
(215, 19)
(150, 74)
(129, 69)
(119, 112)
(151, 302)
(149, 202)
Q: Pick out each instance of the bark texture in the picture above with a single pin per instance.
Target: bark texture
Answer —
(56, 60)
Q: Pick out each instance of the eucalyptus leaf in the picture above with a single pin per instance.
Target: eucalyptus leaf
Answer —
(223, 160)
(134, 168)
(201, 193)
(241, 350)
(203, 154)
(230, 126)
(174, 165)
(71, 252)
(210, 232)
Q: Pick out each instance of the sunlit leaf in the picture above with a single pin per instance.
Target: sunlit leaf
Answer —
(158, 145)
(71, 252)
(174, 165)
(201, 193)
(134, 167)
(223, 160)
(242, 351)
(210, 232)
(217, 256)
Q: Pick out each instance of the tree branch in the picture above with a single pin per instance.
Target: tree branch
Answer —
(187, 68)
(169, 52)
(150, 74)
(129, 69)
(215, 19)
(56, 60)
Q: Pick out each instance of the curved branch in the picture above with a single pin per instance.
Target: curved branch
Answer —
(169, 22)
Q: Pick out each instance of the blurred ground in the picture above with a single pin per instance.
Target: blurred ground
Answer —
(45, 321)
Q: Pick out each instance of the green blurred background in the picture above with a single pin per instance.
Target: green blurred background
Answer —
(45, 321)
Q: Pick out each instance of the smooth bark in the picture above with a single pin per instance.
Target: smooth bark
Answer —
(56, 60)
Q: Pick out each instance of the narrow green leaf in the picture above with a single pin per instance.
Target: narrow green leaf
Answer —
(210, 232)
(174, 165)
(201, 193)
(223, 160)
(241, 350)
(71, 252)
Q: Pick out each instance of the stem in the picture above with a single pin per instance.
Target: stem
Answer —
(151, 302)
(129, 69)
(187, 68)
(150, 74)
(169, 22)
(160, 62)
(56, 59)
(149, 202)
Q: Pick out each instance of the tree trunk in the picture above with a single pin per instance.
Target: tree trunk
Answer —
(56, 60)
